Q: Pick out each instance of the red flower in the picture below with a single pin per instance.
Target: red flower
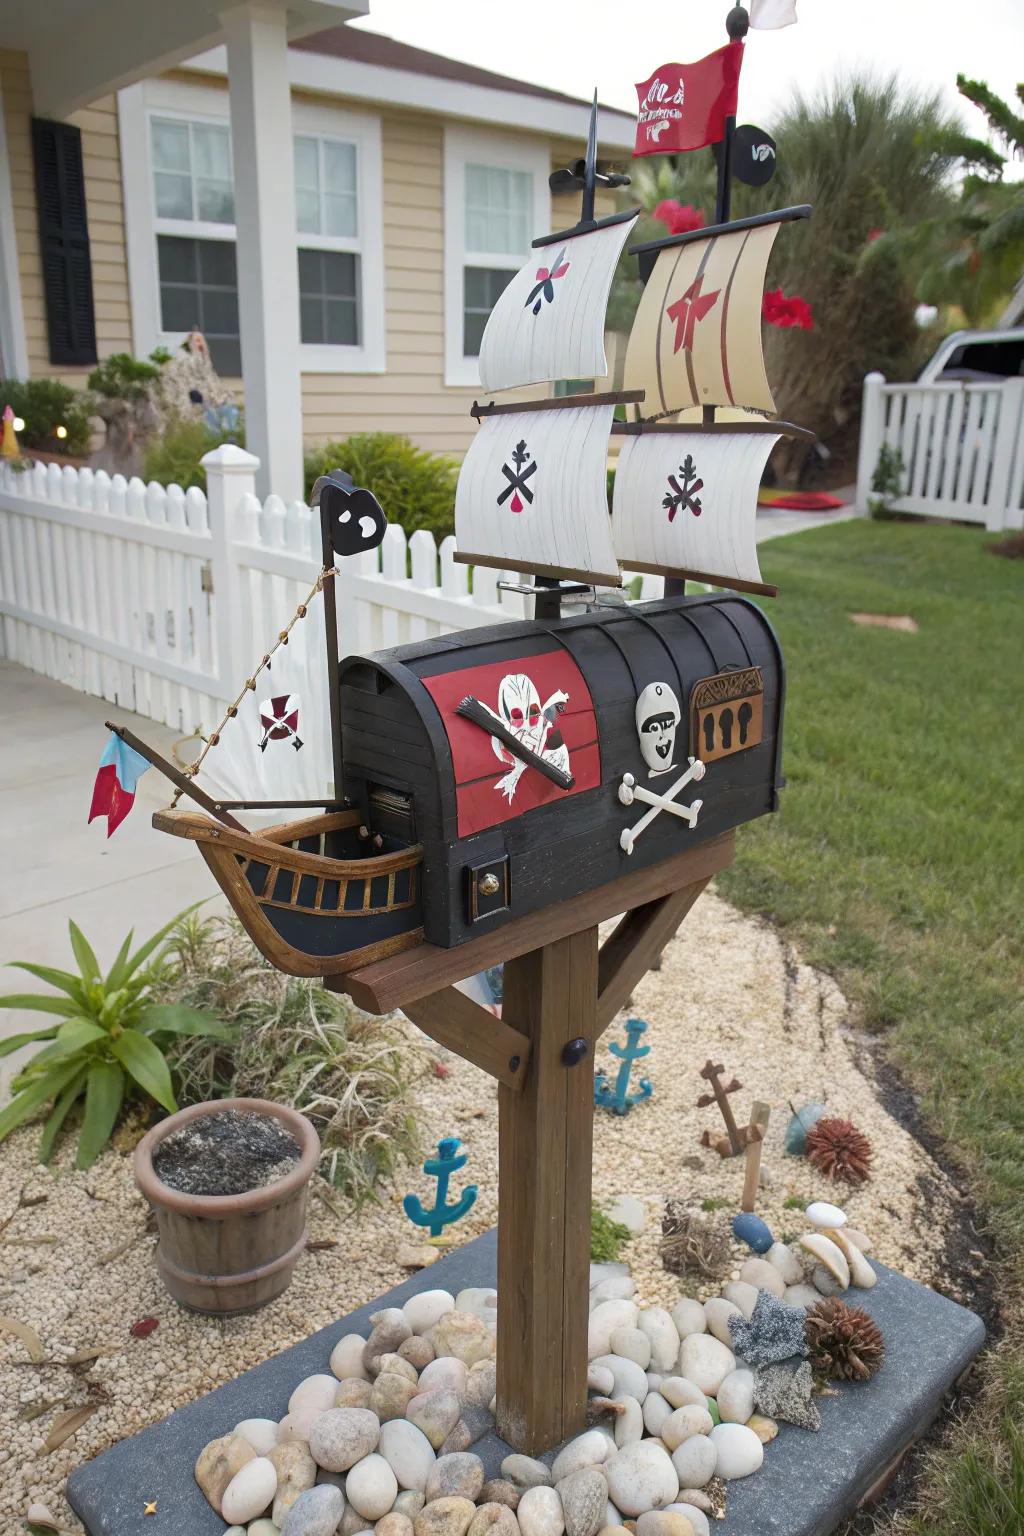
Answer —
(680, 218)
(144, 1327)
(787, 312)
(442, 1071)
(875, 234)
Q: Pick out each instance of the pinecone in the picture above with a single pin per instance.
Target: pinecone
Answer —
(839, 1150)
(845, 1342)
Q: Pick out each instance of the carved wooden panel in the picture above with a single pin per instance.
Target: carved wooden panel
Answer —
(726, 713)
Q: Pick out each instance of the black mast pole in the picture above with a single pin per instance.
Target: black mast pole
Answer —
(590, 168)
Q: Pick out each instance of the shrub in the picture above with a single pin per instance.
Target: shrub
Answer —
(44, 405)
(415, 488)
(886, 482)
(294, 1042)
(606, 1236)
(123, 377)
(175, 457)
(108, 1040)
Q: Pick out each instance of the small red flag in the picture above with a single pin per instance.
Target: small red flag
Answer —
(684, 106)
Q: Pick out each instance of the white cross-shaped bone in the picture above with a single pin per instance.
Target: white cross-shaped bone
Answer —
(630, 790)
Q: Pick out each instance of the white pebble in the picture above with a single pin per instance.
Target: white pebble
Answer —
(736, 1397)
(347, 1359)
(600, 1380)
(741, 1295)
(801, 1295)
(688, 1316)
(445, 1374)
(631, 1344)
(659, 1327)
(656, 1410)
(782, 1258)
(371, 1487)
(539, 1513)
(407, 1452)
(261, 1434)
(695, 1461)
(604, 1320)
(764, 1276)
(684, 1422)
(425, 1309)
(249, 1491)
(705, 1361)
(628, 1380)
(629, 1424)
(614, 1288)
(679, 1392)
(697, 1518)
(738, 1450)
(821, 1214)
(587, 1450)
(314, 1393)
(641, 1477)
(718, 1312)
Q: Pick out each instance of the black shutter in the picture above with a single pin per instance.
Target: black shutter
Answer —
(64, 241)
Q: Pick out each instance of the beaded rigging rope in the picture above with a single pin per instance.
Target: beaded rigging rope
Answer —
(250, 682)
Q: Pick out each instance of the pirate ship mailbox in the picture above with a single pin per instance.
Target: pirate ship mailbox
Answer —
(533, 762)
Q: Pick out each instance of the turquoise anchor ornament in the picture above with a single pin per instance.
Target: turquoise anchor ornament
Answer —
(618, 1099)
(441, 1167)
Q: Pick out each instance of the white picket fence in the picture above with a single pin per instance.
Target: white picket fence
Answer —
(962, 447)
(162, 600)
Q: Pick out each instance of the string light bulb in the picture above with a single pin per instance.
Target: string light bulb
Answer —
(18, 424)
(61, 432)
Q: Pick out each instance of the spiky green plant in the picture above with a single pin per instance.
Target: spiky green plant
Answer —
(108, 1041)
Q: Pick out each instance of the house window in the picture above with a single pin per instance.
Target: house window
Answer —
(181, 234)
(496, 201)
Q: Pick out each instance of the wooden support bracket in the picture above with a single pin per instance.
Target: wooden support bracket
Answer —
(629, 953)
(456, 1021)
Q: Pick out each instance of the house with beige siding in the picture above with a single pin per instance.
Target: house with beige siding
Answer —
(336, 211)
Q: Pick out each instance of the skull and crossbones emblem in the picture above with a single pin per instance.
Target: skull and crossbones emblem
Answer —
(531, 722)
(657, 720)
(279, 717)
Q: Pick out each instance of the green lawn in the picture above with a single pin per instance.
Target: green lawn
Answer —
(897, 863)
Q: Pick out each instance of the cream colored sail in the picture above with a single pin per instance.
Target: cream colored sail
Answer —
(696, 339)
(532, 493)
(549, 322)
(687, 502)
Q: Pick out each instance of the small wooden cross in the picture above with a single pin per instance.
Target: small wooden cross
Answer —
(718, 1095)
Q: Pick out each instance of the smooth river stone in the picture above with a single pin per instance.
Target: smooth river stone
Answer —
(343, 1436)
(705, 1361)
(436, 1413)
(462, 1335)
(742, 1295)
(498, 1490)
(829, 1255)
(688, 1316)
(427, 1308)
(697, 1518)
(656, 1410)
(419, 1352)
(664, 1522)
(781, 1257)
(315, 1512)
(371, 1487)
(390, 1329)
(801, 1295)
(764, 1276)
(398, 1365)
(491, 1520)
(347, 1358)
(663, 1334)
(600, 1380)
(684, 1422)
(606, 1317)
(263, 1527)
(526, 1471)
(260, 1433)
(296, 1426)
(353, 1522)
(394, 1523)
(409, 1502)
(249, 1492)
(629, 1424)
(445, 1517)
(481, 1384)
(584, 1496)
(738, 1449)
(612, 1288)
(718, 1312)
(314, 1394)
(407, 1452)
(392, 1394)
(679, 1392)
(218, 1463)
(820, 1213)
(456, 1476)
(587, 1450)
(296, 1471)
(736, 1397)
(632, 1344)
(540, 1513)
(641, 1477)
(628, 1380)
(445, 1375)
(750, 1229)
(353, 1392)
(861, 1273)
(694, 1461)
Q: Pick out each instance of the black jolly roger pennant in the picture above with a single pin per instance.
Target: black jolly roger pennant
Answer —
(684, 495)
(279, 717)
(518, 477)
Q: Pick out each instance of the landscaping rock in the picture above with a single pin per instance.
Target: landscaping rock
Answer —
(526, 1471)
(371, 1487)
(628, 1380)
(499, 1490)
(540, 1512)
(315, 1512)
(493, 1519)
(394, 1524)
(687, 1421)
(435, 1413)
(296, 1471)
(736, 1397)
(419, 1352)
(738, 1451)
(641, 1477)
(343, 1436)
(218, 1463)
(445, 1375)
(742, 1295)
(718, 1312)
(694, 1461)
(354, 1392)
(706, 1361)
(249, 1492)
(628, 1212)
(457, 1476)
(688, 1316)
(392, 1394)
(423, 1311)
(664, 1522)
(764, 1276)
(587, 1450)
(659, 1327)
(390, 1329)
(444, 1517)
(347, 1358)
(260, 1433)
(462, 1335)
(782, 1258)
(407, 1452)
(584, 1496)
(678, 1391)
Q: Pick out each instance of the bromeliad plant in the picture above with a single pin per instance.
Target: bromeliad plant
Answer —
(108, 1041)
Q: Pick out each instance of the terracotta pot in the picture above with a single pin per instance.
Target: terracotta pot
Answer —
(224, 1254)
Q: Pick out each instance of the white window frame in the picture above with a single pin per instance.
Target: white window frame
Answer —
(137, 104)
(469, 146)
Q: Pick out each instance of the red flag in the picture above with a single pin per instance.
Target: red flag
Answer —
(684, 106)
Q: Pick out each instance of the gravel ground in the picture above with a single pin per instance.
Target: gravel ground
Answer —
(727, 987)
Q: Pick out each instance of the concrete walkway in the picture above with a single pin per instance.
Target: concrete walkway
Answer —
(773, 522)
(58, 865)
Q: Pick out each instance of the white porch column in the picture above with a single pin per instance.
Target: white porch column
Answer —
(268, 279)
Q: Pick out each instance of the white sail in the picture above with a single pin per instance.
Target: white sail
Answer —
(532, 493)
(687, 501)
(549, 322)
(278, 746)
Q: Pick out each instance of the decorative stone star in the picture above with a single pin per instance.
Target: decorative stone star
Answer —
(774, 1332)
(150, 1508)
(782, 1393)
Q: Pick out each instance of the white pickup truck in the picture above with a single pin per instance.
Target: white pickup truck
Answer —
(976, 357)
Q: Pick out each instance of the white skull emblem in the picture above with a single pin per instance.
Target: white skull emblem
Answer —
(657, 719)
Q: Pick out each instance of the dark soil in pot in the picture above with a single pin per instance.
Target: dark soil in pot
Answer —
(226, 1154)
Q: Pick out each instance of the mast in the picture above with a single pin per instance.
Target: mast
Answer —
(532, 493)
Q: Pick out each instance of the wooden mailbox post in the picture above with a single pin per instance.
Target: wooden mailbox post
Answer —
(562, 990)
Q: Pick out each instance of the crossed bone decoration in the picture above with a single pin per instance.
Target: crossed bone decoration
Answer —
(630, 790)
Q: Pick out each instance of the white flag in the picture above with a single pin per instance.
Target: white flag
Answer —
(769, 14)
